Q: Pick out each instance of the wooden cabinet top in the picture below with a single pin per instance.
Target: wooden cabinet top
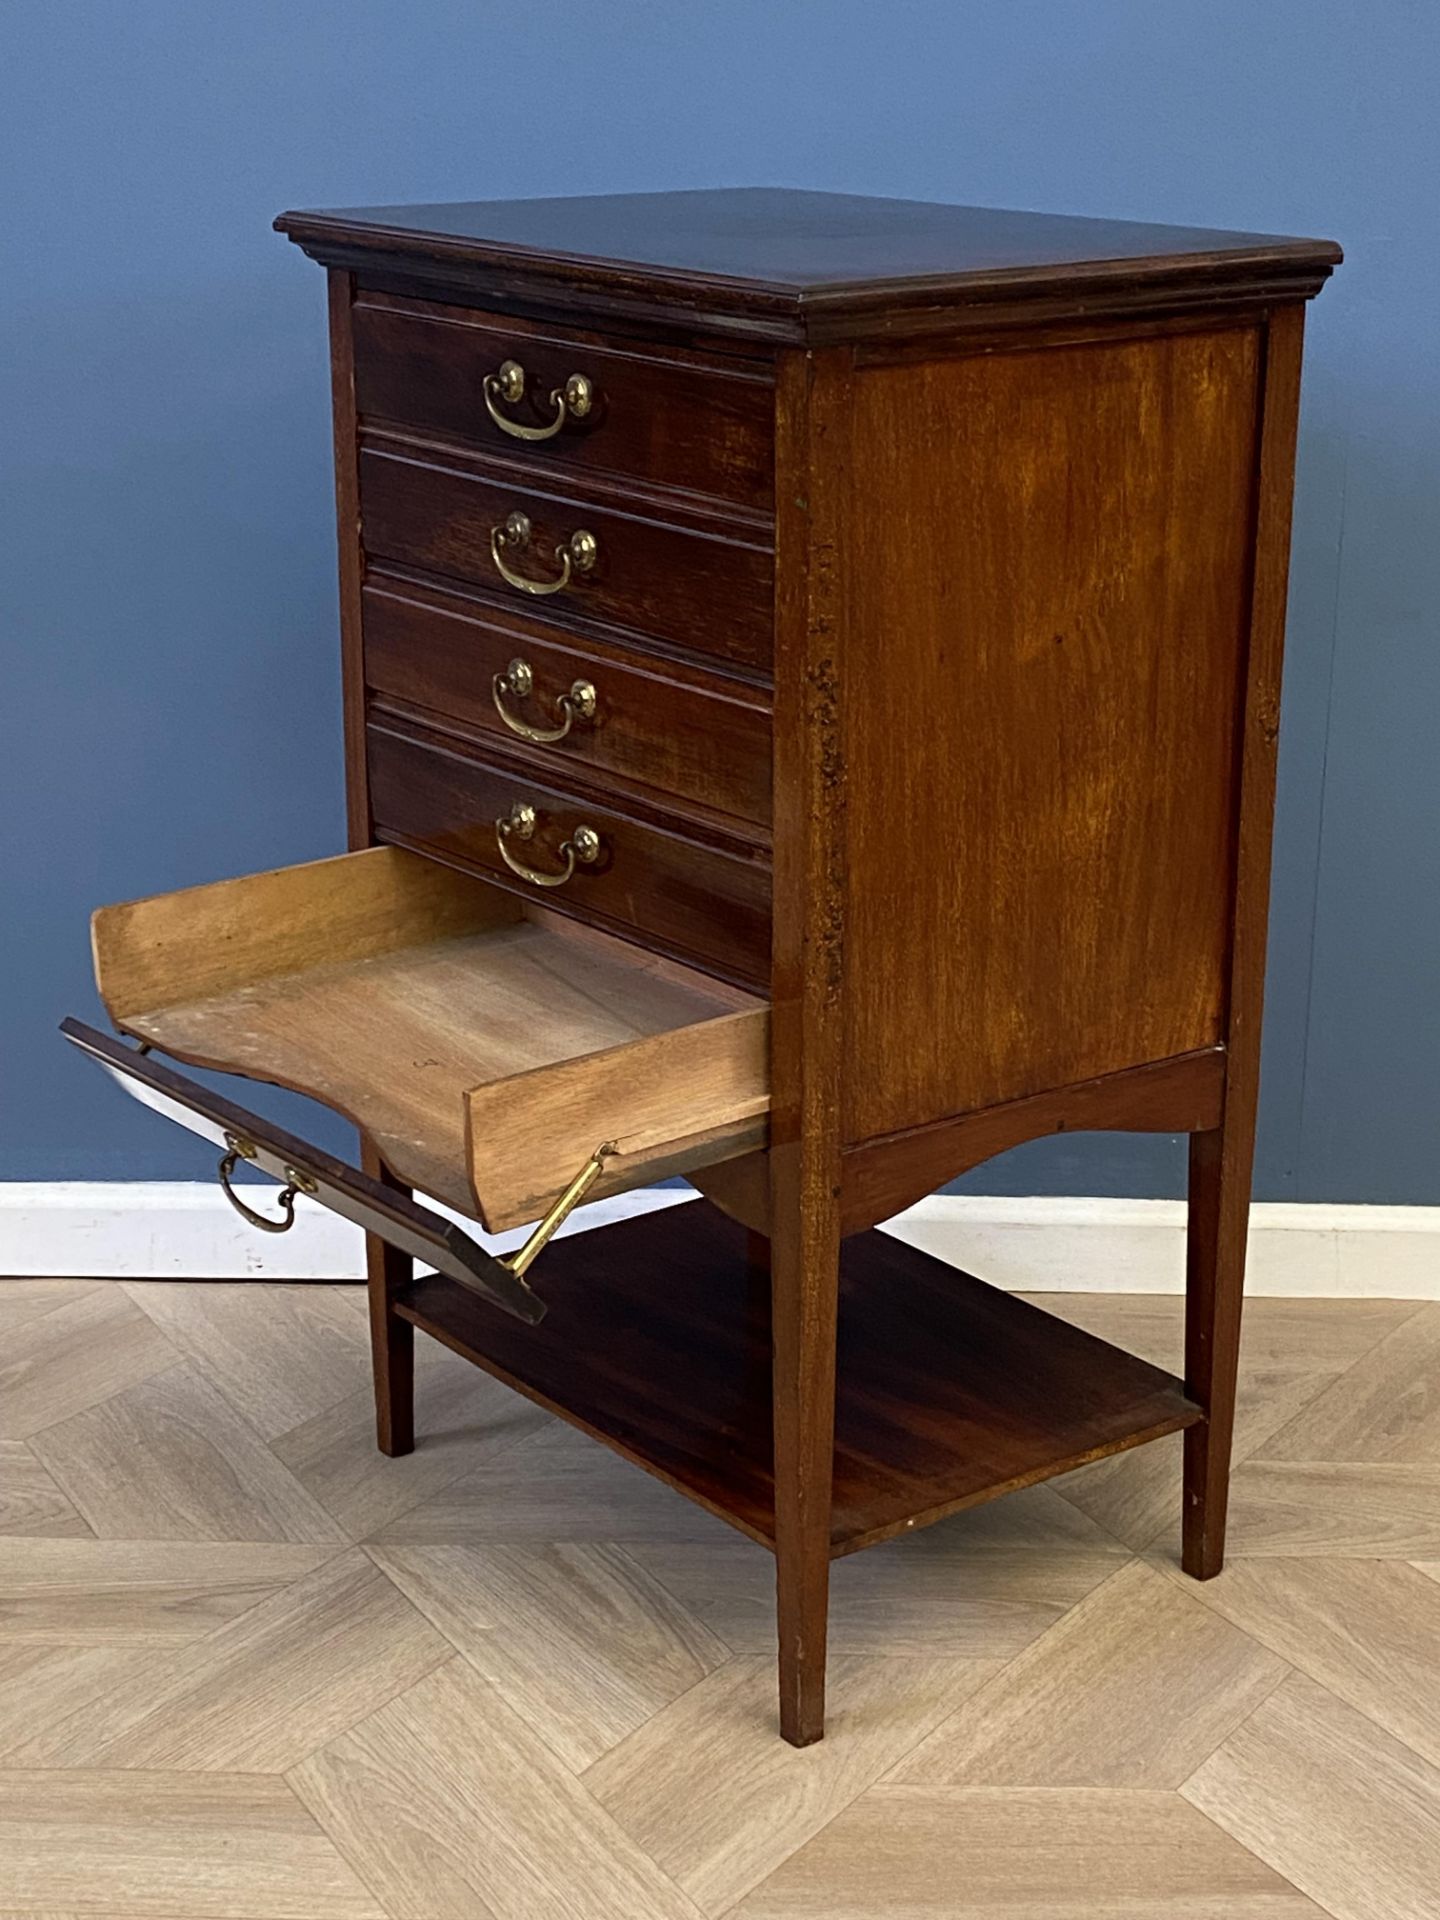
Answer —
(779, 265)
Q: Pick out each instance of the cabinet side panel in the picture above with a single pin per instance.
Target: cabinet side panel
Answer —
(1047, 586)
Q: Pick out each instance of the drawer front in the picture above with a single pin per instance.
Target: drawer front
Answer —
(696, 588)
(670, 418)
(652, 724)
(685, 899)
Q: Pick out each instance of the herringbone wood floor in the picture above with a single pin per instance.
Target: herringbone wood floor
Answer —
(249, 1668)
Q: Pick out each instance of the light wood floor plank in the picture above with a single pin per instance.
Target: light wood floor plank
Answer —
(58, 1363)
(1291, 1351)
(452, 1808)
(262, 1693)
(557, 1485)
(597, 1749)
(172, 1846)
(1034, 1520)
(1133, 1688)
(1151, 1325)
(22, 1300)
(170, 1459)
(719, 1801)
(1283, 1508)
(41, 1685)
(158, 1593)
(463, 1418)
(1342, 1809)
(579, 1640)
(930, 1593)
(1325, 1337)
(947, 1853)
(30, 1500)
(279, 1354)
(1322, 1337)
(1137, 1495)
(1386, 1408)
(1368, 1630)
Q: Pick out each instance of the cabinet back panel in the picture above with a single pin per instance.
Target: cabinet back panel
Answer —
(1047, 597)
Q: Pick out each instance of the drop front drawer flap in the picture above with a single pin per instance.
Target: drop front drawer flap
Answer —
(308, 1169)
(485, 1047)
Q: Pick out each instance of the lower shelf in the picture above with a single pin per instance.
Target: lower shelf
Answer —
(657, 1341)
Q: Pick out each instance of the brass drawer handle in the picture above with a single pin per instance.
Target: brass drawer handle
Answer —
(239, 1148)
(583, 846)
(571, 402)
(518, 680)
(578, 554)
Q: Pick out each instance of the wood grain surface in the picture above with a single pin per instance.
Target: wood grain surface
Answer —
(1021, 597)
(701, 582)
(503, 1829)
(758, 265)
(699, 741)
(101, 1841)
(659, 880)
(1049, 1853)
(1346, 1812)
(669, 417)
(451, 992)
(1136, 1686)
(548, 1687)
(1050, 617)
(948, 1392)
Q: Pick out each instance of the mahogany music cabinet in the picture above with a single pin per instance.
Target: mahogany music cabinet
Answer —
(811, 679)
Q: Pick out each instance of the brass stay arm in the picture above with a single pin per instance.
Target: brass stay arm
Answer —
(524, 1257)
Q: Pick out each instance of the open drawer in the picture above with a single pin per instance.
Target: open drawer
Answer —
(492, 1053)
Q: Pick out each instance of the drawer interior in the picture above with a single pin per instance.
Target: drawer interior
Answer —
(485, 1046)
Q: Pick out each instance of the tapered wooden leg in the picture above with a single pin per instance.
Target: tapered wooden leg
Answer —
(1219, 1214)
(1220, 1161)
(804, 1252)
(392, 1340)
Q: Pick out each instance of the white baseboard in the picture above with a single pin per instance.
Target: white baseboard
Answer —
(1050, 1245)
(175, 1229)
(187, 1230)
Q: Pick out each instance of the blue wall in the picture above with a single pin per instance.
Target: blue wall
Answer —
(170, 699)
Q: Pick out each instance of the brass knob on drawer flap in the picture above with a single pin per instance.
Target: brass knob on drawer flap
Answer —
(518, 681)
(573, 401)
(578, 554)
(584, 846)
